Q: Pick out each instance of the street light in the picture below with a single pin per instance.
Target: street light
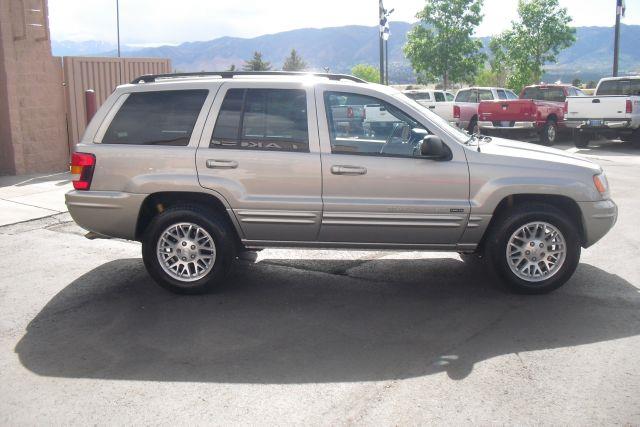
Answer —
(383, 15)
(118, 24)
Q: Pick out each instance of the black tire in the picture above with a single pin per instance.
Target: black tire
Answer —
(219, 229)
(626, 138)
(581, 139)
(473, 126)
(549, 133)
(509, 223)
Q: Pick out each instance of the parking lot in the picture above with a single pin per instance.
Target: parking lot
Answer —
(319, 337)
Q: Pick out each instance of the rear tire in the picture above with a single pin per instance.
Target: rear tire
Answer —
(538, 262)
(188, 249)
(473, 126)
(549, 133)
(581, 139)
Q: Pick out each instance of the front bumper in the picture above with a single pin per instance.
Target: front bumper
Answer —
(597, 218)
(513, 126)
(109, 213)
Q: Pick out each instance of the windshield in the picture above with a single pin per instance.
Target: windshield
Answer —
(619, 87)
(456, 133)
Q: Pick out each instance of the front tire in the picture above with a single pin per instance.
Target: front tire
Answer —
(188, 249)
(534, 248)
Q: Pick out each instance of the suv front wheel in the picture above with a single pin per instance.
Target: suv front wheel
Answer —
(535, 248)
(188, 250)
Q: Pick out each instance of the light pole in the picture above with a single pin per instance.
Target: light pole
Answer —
(385, 36)
(118, 24)
(616, 41)
(382, 23)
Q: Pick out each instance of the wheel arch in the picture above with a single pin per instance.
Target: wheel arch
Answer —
(565, 204)
(158, 202)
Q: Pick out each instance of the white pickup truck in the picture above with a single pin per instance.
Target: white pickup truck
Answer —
(613, 111)
(438, 101)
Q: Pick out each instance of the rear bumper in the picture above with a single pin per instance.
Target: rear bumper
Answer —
(515, 126)
(109, 213)
(598, 218)
(614, 124)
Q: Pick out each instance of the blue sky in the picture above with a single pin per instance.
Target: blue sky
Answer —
(155, 22)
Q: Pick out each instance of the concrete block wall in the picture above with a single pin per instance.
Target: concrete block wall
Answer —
(33, 135)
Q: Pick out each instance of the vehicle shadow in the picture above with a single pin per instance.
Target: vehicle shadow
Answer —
(281, 321)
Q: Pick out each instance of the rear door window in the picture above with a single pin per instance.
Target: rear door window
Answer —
(555, 94)
(262, 119)
(439, 96)
(156, 118)
(484, 95)
(463, 96)
(619, 87)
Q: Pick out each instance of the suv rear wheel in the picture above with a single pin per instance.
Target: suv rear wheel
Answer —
(535, 248)
(549, 133)
(188, 250)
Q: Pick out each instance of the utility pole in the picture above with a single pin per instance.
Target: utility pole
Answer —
(386, 61)
(118, 24)
(382, 23)
(616, 41)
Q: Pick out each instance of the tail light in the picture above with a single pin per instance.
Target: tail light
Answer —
(349, 112)
(456, 111)
(566, 107)
(82, 165)
(629, 108)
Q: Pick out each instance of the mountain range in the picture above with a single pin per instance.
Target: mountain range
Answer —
(340, 48)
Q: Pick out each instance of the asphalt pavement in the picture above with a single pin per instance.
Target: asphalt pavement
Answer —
(318, 337)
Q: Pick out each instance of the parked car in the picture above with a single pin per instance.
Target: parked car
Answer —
(438, 101)
(465, 107)
(613, 111)
(540, 111)
(201, 167)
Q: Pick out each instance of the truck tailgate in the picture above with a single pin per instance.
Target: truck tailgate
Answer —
(596, 107)
(506, 110)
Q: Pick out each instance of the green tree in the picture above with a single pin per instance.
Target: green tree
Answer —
(256, 63)
(294, 62)
(591, 84)
(442, 46)
(366, 72)
(576, 82)
(536, 38)
(490, 77)
(232, 67)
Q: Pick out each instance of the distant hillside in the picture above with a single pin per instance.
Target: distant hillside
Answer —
(339, 48)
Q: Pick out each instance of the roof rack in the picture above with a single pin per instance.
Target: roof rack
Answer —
(149, 78)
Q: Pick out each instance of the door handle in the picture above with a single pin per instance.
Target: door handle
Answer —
(221, 164)
(432, 106)
(348, 170)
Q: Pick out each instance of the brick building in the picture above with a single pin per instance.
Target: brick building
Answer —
(33, 135)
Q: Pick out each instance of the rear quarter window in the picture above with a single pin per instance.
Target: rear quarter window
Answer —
(156, 118)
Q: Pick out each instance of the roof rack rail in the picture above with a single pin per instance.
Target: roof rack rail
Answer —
(149, 78)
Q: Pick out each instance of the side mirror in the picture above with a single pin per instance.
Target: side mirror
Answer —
(432, 147)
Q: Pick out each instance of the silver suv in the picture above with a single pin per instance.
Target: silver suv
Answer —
(200, 167)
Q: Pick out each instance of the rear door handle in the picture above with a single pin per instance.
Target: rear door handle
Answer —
(348, 170)
(221, 164)
(432, 106)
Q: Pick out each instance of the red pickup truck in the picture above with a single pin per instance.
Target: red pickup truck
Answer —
(540, 110)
